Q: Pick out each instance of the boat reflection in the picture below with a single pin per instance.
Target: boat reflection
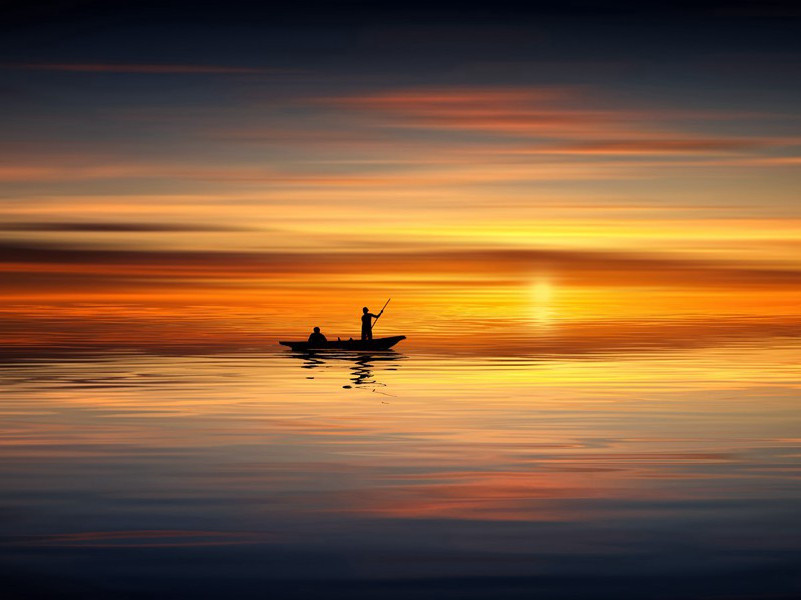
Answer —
(362, 368)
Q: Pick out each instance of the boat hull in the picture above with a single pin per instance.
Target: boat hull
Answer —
(358, 345)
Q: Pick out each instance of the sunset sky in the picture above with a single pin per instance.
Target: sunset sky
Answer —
(224, 174)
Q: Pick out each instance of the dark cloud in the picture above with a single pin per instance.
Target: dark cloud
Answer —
(145, 69)
(99, 227)
(568, 267)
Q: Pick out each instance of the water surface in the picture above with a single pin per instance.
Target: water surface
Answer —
(662, 474)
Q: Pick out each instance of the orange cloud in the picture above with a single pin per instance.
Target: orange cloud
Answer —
(663, 146)
(542, 111)
(550, 115)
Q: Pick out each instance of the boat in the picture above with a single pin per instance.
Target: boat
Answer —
(351, 344)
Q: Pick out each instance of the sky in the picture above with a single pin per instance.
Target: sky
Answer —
(552, 175)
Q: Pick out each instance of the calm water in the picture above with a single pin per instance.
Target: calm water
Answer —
(669, 474)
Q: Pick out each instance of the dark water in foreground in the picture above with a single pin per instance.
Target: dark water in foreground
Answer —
(658, 475)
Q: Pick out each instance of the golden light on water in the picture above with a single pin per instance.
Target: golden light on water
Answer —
(542, 311)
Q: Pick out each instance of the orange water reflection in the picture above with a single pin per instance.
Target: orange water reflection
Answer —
(383, 457)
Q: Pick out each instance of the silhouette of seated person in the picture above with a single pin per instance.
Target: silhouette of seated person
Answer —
(317, 339)
(367, 323)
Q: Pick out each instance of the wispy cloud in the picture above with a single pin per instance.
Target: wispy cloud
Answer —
(143, 539)
(142, 68)
(665, 146)
(76, 168)
(572, 267)
(100, 227)
(526, 112)
(559, 120)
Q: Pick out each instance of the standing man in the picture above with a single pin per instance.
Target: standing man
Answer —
(367, 323)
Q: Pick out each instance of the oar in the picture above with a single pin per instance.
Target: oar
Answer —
(379, 314)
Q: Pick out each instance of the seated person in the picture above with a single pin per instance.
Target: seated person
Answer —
(317, 338)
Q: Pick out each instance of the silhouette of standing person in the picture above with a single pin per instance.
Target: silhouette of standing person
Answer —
(367, 323)
(317, 339)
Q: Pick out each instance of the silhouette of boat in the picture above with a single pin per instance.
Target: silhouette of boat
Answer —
(360, 345)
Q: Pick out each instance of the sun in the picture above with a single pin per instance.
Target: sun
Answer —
(541, 301)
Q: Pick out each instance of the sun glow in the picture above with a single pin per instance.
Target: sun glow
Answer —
(542, 312)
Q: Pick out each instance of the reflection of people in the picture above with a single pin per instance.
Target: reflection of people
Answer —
(367, 323)
(362, 370)
(317, 338)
